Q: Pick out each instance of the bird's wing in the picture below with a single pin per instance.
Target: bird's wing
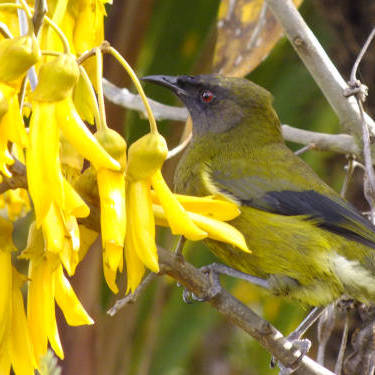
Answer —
(274, 194)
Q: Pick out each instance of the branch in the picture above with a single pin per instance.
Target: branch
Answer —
(18, 179)
(239, 314)
(341, 143)
(320, 66)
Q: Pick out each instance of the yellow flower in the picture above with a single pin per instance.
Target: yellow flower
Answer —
(56, 203)
(48, 284)
(15, 344)
(146, 157)
(17, 56)
(111, 186)
(12, 128)
(208, 213)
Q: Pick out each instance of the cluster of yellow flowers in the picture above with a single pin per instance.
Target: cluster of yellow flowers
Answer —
(46, 99)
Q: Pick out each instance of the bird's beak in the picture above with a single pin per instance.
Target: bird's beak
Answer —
(170, 82)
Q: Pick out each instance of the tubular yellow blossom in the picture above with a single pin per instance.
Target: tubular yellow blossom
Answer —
(53, 41)
(90, 13)
(21, 350)
(68, 302)
(177, 217)
(16, 132)
(111, 186)
(113, 222)
(7, 246)
(217, 230)
(5, 297)
(134, 266)
(74, 204)
(39, 304)
(209, 206)
(44, 175)
(12, 128)
(142, 224)
(76, 132)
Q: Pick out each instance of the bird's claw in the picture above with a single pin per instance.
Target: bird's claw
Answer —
(303, 345)
(214, 289)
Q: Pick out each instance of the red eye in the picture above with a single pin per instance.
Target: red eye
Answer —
(207, 96)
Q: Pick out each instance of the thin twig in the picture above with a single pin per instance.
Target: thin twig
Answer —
(359, 91)
(180, 246)
(132, 297)
(325, 328)
(344, 341)
(350, 166)
(353, 74)
(304, 149)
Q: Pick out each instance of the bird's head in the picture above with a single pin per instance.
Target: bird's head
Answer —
(216, 103)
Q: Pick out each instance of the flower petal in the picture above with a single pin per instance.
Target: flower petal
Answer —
(210, 206)
(217, 230)
(5, 296)
(142, 223)
(35, 308)
(134, 266)
(76, 132)
(112, 206)
(23, 360)
(177, 217)
(74, 204)
(74, 312)
(220, 231)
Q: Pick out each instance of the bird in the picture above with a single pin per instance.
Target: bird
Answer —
(307, 242)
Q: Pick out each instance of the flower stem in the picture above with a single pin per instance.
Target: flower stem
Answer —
(92, 94)
(130, 71)
(102, 124)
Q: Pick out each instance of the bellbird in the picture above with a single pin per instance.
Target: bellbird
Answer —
(307, 242)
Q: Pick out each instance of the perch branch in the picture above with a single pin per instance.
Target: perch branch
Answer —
(239, 314)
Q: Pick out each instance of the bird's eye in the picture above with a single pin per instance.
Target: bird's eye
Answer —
(207, 96)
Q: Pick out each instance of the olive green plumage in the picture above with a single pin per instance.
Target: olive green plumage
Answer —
(305, 239)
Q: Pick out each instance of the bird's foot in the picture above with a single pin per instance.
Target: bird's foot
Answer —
(303, 345)
(214, 289)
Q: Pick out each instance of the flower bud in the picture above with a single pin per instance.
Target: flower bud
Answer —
(146, 156)
(17, 55)
(114, 144)
(57, 79)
